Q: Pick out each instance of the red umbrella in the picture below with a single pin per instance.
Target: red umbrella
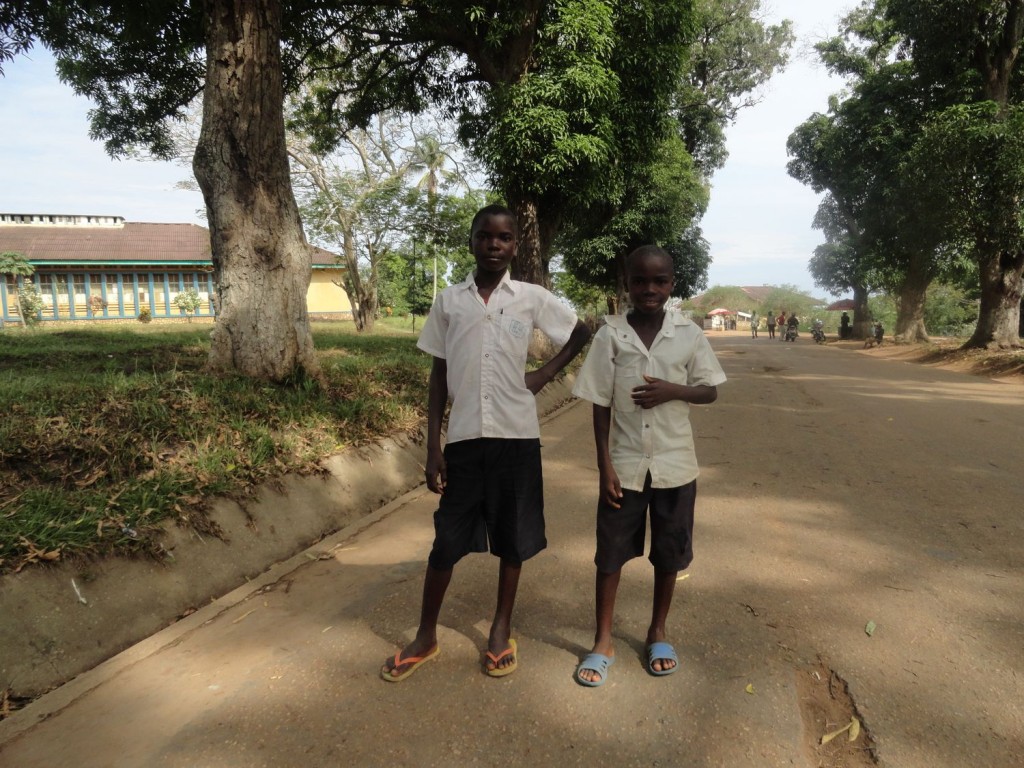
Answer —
(835, 306)
(720, 311)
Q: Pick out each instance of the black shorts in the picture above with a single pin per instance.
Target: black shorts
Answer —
(620, 532)
(494, 496)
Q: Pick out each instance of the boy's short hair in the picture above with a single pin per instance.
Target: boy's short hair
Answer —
(647, 250)
(495, 210)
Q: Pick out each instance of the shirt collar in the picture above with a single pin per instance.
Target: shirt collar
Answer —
(506, 284)
(672, 319)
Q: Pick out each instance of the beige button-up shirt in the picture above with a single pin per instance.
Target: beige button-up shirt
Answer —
(658, 440)
(485, 347)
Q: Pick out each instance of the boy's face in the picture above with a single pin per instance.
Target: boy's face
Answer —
(493, 241)
(649, 281)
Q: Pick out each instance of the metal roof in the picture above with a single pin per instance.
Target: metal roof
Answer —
(127, 244)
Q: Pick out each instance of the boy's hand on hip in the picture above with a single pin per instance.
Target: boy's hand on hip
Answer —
(654, 392)
(436, 471)
(536, 381)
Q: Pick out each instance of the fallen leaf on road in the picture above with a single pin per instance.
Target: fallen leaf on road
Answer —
(749, 688)
(869, 628)
(243, 616)
(829, 736)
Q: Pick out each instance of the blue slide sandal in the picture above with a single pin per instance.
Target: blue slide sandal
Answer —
(661, 651)
(595, 662)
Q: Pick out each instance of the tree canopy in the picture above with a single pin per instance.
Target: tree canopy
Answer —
(587, 115)
(919, 158)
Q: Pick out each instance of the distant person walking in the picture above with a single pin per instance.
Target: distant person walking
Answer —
(753, 326)
(781, 321)
(771, 325)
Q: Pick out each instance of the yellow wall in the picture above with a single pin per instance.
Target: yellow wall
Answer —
(324, 297)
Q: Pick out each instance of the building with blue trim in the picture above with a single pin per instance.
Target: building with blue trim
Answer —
(103, 268)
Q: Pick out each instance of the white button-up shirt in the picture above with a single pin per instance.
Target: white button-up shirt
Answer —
(658, 440)
(485, 348)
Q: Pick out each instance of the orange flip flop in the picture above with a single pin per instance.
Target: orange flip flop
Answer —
(502, 671)
(415, 661)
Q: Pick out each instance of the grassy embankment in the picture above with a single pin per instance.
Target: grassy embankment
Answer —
(107, 431)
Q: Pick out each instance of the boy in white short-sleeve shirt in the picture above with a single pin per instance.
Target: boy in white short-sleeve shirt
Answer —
(489, 471)
(642, 373)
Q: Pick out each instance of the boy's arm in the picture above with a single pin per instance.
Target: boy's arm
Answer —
(437, 399)
(611, 489)
(538, 379)
(658, 391)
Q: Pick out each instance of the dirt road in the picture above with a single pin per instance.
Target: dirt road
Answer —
(838, 489)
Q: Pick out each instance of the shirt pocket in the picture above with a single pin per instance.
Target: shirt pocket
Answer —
(628, 376)
(514, 336)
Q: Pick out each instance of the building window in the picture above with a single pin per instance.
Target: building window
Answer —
(77, 283)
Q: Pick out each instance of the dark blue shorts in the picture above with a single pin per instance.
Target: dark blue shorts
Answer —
(621, 532)
(493, 501)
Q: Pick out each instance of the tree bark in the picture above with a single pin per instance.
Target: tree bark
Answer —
(262, 263)
(999, 314)
(362, 295)
(913, 290)
(861, 326)
(529, 265)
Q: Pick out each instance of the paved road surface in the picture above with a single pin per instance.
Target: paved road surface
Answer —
(838, 489)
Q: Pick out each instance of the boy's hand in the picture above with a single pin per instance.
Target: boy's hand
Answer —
(654, 392)
(436, 471)
(611, 490)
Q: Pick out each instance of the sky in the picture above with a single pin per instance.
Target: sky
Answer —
(758, 222)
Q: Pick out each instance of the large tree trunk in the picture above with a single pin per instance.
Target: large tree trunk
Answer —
(910, 326)
(262, 263)
(529, 265)
(861, 327)
(362, 296)
(999, 314)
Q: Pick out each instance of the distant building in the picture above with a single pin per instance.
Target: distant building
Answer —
(104, 268)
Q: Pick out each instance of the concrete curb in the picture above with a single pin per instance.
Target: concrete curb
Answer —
(61, 621)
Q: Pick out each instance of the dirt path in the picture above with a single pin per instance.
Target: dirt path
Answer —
(839, 489)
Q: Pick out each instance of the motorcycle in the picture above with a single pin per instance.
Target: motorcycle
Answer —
(790, 333)
(818, 332)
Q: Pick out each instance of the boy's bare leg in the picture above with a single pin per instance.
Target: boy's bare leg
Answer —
(664, 588)
(606, 588)
(501, 627)
(435, 584)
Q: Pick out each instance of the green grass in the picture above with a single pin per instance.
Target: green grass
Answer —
(107, 431)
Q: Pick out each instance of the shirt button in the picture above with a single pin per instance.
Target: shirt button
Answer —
(487, 397)
(486, 354)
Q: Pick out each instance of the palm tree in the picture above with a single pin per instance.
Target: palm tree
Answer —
(430, 156)
(16, 265)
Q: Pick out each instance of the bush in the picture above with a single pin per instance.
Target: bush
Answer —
(188, 301)
(30, 302)
(145, 316)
